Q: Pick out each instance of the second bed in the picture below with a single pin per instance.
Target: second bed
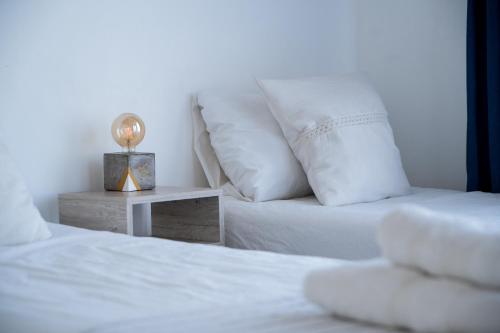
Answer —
(303, 226)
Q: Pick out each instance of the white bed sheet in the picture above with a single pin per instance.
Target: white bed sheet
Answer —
(303, 226)
(89, 281)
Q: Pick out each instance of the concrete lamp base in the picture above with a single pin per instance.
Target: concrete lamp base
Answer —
(129, 172)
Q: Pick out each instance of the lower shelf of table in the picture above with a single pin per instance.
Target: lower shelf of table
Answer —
(191, 220)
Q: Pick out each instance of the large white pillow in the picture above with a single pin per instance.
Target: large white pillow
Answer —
(250, 146)
(339, 131)
(20, 221)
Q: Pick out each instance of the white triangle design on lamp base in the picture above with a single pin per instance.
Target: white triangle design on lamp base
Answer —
(129, 185)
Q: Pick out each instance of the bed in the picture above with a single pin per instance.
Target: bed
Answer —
(303, 226)
(88, 281)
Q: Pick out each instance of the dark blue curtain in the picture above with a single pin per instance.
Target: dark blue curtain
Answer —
(483, 95)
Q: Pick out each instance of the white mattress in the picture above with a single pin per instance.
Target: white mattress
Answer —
(303, 226)
(89, 281)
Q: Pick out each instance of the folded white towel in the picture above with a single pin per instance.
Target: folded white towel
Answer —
(442, 244)
(378, 292)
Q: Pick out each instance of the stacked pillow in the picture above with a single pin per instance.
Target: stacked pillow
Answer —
(333, 129)
(20, 221)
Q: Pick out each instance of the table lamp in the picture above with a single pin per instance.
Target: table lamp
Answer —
(128, 170)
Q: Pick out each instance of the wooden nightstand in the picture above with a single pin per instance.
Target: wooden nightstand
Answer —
(187, 214)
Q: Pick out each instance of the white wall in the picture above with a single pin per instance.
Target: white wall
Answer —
(414, 53)
(68, 68)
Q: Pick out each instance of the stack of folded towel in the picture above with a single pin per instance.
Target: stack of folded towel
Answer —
(440, 274)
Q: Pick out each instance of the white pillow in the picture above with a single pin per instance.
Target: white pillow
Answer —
(203, 149)
(20, 221)
(251, 148)
(338, 129)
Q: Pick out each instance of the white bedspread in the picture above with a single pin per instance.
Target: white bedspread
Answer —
(303, 226)
(87, 281)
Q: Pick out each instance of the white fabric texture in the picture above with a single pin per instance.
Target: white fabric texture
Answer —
(303, 226)
(443, 244)
(206, 155)
(379, 292)
(20, 221)
(89, 281)
(203, 149)
(338, 129)
(250, 146)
